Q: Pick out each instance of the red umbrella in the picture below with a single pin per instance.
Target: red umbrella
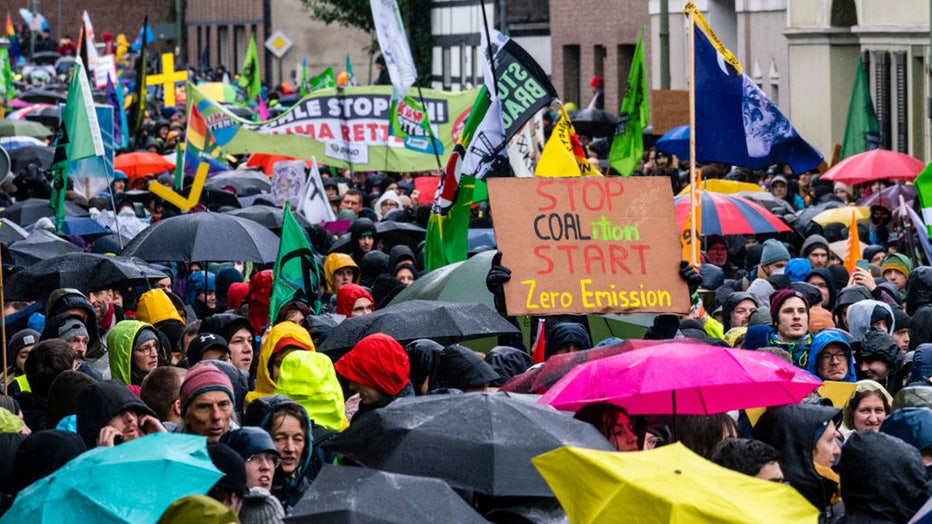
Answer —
(267, 162)
(141, 164)
(729, 215)
(878, 164)
(683, 378)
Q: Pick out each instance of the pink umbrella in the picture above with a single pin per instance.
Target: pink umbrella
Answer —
(683, 378)
(877, 164)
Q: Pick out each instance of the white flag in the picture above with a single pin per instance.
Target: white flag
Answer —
(394, 44)
(92, 55)
(314, 204)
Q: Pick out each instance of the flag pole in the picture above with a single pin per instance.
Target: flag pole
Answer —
(6, 364)
(694, 245)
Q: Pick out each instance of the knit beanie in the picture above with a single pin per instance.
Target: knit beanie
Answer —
(200, 379)
(72, 327)
(260, 507)
(819, 319)
(144, 335)
(797, 269)
(774, 251)
(778, 298)
(897, 262)
(19, 340)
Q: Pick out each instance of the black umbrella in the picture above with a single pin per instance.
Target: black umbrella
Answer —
(82, 271)
(47, 116)
(11, 231)
(482, 442)
(242, 182)
(806, 215)
(43, 96)
(393, 233)
(444, 322)
(214, 199)
(204, 237)
(38, 246)
(360, 495)
(270, 217)
(594, 122)
(21, 157)
(32, 209)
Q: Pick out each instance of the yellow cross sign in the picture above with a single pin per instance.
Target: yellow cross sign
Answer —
(180, 201)
(168, 78)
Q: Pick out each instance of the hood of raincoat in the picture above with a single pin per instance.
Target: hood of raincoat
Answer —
(563, 333)
(863, 385)
(400, 253)
(154, 306)
(63, 299)
(335, 261)
(919, 396)
(822, 339)
(260, 413)
(377, 361)
(372, 265)
(878, 345)
(826, 275)
(197, 508)
(911, 425)
(859, 317)
(793, 431)
(731, 303)
(508, 362)
(918, 289)
(100, 402)
(423, 360)
(388, 195)
(308, 378)
(882, 478)
(265, 386)
(347, 297)
(460, 368)
(41, 454)
(922, 365)
(196, 284)
(120, 345)
(225, 324)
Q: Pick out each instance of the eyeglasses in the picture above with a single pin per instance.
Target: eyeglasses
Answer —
(832, 356)
(272, 460)
(148, 347)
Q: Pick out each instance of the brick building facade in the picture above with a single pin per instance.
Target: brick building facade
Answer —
(595, 37)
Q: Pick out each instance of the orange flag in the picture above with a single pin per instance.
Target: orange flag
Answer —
(853, 246)
(540, 345)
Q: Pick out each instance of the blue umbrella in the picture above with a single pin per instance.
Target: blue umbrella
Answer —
(133, 482)
(84, 227)
(675, 142)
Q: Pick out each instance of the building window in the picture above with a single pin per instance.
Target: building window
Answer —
(447, 80)
(571, 74)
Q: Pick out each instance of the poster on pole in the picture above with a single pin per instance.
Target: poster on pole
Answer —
(588, 245)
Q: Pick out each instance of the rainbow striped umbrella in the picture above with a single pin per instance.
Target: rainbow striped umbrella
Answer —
(729, 215)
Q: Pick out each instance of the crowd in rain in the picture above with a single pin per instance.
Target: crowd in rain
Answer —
(195, 349)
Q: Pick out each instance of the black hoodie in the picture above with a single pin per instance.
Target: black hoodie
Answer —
(99, 403)
(729, 307)
(883, 479)
(793, 431)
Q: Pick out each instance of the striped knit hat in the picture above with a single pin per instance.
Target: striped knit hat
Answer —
(201, 379)
(897, 262)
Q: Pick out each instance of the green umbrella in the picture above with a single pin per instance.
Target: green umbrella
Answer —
(462, 282)
(23, 128)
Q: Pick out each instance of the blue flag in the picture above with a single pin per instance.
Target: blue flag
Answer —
(149, 37)
(735, 121)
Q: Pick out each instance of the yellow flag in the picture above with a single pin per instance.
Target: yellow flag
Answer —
(853, 246)
(563, 155)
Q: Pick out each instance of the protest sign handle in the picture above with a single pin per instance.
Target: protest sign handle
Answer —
(694, 252)
(430, 131)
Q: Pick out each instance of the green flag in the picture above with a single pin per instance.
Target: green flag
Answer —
(296, 273)
(923, 185)
(8, 90)
(324, 80)
(448, 226)
(628, 144)
(862, 130)
(78, 136)
(250, 84)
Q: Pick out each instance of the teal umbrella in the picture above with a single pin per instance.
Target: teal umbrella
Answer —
(133, 483)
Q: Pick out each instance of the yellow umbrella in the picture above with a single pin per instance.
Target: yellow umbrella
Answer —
(218, 91)
(842, 215)
(717, 185)
(667, 484)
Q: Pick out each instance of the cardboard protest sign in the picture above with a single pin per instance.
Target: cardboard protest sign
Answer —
(669, 109)
(588, 245)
